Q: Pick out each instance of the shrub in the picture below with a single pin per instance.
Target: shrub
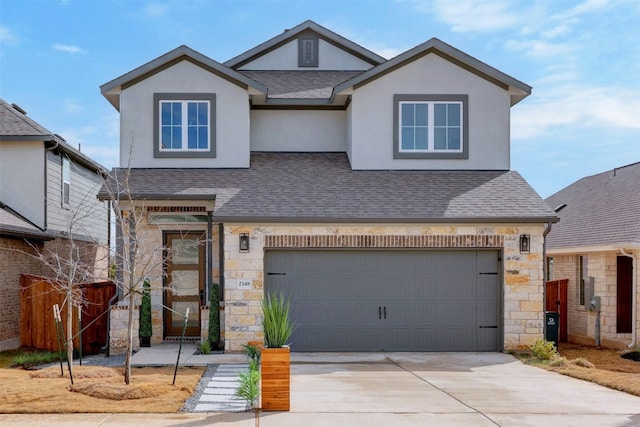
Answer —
(249, 388)
(581, 361)
(205, 347)
(277, 324)
(544, 350)
(559, 362)
(214, 317)
(146, 329)
(252, 352)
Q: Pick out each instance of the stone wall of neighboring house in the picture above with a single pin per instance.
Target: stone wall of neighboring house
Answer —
(566, 267)
(18, 257)
(602, 266)
(523, 280)
(14, 260)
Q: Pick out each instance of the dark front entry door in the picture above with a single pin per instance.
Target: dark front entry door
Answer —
(624, 295)
(185, 282)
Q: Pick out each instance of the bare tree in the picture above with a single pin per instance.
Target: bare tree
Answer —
(71, 260)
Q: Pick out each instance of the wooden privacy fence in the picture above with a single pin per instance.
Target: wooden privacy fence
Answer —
(37, 325)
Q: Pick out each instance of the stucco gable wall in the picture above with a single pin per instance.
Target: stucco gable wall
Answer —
(372, 117)
(285, 57)
(22, 174)
(232, 118)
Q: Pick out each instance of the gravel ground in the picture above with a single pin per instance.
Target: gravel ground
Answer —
(192, 401)
(114, 361)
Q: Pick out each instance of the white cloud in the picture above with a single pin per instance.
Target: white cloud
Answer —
(577, 108)
(67, 48)
(155, 9)
(386, 52)
(7, 37)
(71, 106)
(473, 15)
(539, 48)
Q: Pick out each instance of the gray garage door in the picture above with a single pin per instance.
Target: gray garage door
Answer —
(390, 300)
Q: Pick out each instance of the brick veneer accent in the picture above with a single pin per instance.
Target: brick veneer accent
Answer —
(172, 209)
(375, 241)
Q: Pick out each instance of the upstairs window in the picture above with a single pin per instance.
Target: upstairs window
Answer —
(66, 182)
(184, 125)
(430, 126)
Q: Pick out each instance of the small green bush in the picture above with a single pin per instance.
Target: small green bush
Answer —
(544, 350)
(205, 347)
(252, 352)
(249, 388)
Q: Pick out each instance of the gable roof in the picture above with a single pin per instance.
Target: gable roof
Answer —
(289, 35)
(322, 187)
(601, 210)
(111, 90)
(15, 125)
(14, 225)
(518, 89)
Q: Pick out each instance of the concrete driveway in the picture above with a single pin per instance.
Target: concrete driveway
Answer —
(407, 389)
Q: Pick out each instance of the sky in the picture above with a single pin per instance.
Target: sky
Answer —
(581, 57)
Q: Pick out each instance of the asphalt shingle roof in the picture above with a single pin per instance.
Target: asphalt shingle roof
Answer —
(300, 84)
(602, 209)
(15, 123)
(322, 187)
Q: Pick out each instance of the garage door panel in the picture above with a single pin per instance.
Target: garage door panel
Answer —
(434, 300)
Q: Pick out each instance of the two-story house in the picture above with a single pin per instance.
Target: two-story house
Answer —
(376, 193)
(47, 196)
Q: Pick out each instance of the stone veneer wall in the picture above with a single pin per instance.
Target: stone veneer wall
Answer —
(150, 237)
(602, 266)
(523, 280)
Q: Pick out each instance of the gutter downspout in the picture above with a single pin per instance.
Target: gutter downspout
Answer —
(634, 298)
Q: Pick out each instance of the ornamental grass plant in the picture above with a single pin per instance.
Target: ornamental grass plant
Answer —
(277, 324)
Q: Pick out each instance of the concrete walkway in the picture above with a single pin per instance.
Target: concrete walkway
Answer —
(406, 389)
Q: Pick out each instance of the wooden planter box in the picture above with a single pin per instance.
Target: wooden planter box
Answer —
(275, 369)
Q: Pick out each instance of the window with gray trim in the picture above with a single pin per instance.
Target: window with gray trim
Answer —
(184, 125)
(430, 126)
(66, 182)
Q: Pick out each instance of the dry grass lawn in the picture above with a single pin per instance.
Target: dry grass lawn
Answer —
(610, 369)
(96, 389)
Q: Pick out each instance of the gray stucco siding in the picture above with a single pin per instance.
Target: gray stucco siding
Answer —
(372, 117)
(137, 118)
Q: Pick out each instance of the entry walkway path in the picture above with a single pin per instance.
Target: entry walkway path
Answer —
(219, 393)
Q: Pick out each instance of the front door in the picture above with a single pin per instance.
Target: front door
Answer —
(185, 282)
(624, 295)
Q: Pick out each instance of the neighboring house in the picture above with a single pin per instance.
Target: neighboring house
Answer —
(598, 237)
(44, 182)
(377, 193)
